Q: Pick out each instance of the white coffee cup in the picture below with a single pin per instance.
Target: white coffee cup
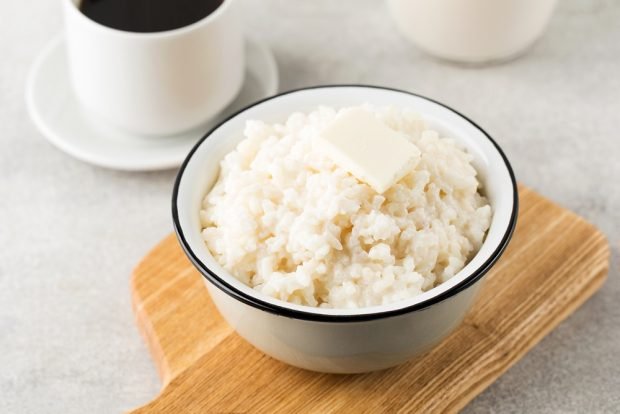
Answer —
(473, 31)
(155, 83)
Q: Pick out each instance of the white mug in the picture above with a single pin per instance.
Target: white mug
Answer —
(472, 31)
(155, 83)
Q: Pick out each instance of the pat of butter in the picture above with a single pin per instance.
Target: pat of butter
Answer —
(369, 150)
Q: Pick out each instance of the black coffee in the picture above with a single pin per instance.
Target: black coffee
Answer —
(148, 15)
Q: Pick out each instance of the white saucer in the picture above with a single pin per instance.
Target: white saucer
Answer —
(57, 114)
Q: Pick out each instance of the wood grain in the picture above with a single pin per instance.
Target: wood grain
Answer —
(554, 263)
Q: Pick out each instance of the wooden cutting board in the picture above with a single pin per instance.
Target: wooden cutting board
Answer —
(555, 262)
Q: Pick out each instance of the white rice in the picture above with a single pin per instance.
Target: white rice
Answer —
(285, 220)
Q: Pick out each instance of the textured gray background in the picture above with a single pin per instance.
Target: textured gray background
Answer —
(71, 233)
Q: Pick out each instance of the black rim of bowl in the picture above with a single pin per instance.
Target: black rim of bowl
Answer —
(309, 315)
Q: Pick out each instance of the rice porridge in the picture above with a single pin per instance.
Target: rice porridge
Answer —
(287, 220)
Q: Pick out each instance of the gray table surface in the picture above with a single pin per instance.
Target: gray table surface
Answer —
(70, 233)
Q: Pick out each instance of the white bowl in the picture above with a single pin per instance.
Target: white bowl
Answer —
(472, 31)
(343, 340)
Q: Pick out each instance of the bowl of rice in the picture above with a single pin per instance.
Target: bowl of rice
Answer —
(315, 266)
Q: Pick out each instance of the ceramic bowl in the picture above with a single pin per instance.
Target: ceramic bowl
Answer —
(344, 340)
(478, 32)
